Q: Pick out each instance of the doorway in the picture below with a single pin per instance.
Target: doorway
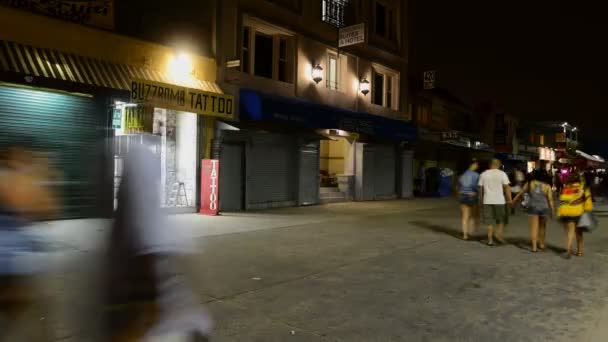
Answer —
(332, 169)
(232, 177)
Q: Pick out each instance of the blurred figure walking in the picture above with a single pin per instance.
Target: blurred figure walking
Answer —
(469, 199)
(540, 206)
(575, 201)
(145, 297)
(23, 199)
(495, 193)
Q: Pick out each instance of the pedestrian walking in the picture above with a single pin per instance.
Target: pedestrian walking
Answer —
(519, 179)
(557, 182)
(540, 206)
(24, 199)
(144, 297)
(575, 201)
(495, 194)
(469, 199)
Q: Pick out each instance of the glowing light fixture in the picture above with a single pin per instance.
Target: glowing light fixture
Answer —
(575, 129)
(317, 73)
(364, 86)
(180, 66)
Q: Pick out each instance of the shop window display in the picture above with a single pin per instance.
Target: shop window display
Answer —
(177, 148)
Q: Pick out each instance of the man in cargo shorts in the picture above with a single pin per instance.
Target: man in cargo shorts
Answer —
(495, 194)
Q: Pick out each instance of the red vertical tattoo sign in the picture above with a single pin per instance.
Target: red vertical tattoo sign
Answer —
(210, 177)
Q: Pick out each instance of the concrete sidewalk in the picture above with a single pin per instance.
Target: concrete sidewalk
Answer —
(85, 234)
(372, 271)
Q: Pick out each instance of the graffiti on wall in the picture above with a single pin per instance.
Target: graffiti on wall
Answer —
(98, 13)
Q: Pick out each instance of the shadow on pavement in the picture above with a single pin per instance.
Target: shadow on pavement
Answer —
(455, 233)
(526, 245)
(520, 243)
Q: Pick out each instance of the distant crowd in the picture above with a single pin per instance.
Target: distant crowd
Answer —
(494, 196)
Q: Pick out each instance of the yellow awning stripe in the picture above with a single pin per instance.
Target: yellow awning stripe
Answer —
(29, 60)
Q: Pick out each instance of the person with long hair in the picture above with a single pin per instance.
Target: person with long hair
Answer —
(540, 206)
(469, 200)
(575, 200)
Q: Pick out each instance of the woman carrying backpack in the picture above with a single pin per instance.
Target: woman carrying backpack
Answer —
(540, 206)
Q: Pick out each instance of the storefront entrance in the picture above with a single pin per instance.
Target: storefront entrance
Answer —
(334, 167)
(175, 140)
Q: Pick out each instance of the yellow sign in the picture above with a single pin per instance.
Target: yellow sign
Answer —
(183, 99)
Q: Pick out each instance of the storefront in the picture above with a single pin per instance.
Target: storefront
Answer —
(436, 151)
(65, 126)
(171, 114)
(70, 106)
(280, 151)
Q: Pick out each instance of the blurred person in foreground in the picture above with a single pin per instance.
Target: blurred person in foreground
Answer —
(495, 194)
(145, 299)
(469, 200)
(540, 206)
(24, 199)
(575, 201)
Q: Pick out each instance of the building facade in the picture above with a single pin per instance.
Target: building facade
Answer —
(316, 123)
(72, 82)
(449, 138)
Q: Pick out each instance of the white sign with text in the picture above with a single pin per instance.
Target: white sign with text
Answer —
(351, 35)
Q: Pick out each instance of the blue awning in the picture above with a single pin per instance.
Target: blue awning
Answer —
(257, 106)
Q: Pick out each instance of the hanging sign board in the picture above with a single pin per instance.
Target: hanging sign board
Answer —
(351, 35)
(429, 79)
(210, 176)
(184, 99)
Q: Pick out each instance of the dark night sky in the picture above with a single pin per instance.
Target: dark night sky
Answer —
(538, 59)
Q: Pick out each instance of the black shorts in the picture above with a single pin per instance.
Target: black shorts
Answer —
(568, 219)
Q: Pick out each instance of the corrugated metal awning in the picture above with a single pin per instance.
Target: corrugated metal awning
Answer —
(42, 62)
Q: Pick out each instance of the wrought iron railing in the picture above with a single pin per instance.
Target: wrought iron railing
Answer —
(333, 12)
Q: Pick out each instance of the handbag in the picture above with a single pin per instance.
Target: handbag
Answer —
(588, 222)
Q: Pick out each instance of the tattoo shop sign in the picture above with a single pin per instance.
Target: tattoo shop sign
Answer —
(98, 13)
(175, 97)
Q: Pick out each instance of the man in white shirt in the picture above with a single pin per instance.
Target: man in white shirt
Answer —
(494, 194)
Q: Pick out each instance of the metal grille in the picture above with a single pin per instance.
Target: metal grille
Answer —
(66, 127)
(333, 12)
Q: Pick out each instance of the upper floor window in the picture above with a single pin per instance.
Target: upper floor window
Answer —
(267, 52)
(384, 20)
(336, 70)
(385, 88)
(332, 12)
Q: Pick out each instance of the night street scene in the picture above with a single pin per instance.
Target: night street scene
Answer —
(303, 170)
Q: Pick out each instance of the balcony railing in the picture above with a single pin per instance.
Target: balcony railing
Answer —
(333, 12)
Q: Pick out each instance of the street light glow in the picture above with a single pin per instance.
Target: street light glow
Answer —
(180, 66)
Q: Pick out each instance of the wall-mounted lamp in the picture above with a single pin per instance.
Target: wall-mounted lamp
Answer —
(317, 73)
(180, 66)
(364, 86)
